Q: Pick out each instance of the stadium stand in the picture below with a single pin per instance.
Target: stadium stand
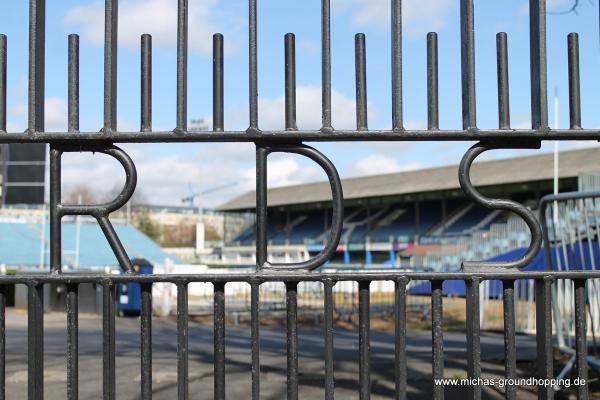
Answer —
(395, 213)
(84, 245)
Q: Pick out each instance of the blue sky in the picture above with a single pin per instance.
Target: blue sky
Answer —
(167, 170)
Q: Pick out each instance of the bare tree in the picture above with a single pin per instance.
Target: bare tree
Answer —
(138, 196)
(575, 4)
(144, 223)
(80, 194)
(181, 235)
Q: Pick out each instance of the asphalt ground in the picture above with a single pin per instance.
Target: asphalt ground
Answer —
(238, 384)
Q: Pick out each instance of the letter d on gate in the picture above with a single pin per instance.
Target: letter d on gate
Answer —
(262, 152)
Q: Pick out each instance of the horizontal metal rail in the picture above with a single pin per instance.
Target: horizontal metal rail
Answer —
(525, 135)
(300, 277)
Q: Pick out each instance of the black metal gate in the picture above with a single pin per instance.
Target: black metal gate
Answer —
(291, 140)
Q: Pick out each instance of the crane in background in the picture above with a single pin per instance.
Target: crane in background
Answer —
(200, 233)
(191, 198)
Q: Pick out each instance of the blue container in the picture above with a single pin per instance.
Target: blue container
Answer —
(129, 295)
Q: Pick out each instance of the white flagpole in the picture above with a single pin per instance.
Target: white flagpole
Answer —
(556, 144)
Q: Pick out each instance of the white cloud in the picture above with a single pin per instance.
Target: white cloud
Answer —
(308, 110)
(418, 16)
(416, 125)
(55, 115)
(375, 164)
(309, 47)
(166, 178)
(283, 170)
(156, 17)
(280, 170)
(522, 124)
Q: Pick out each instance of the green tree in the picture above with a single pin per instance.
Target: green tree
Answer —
(144, 223)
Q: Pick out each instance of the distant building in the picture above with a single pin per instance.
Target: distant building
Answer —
(184, 231)
(22, 167)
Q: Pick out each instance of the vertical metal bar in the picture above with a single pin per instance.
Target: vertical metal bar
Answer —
(115, 243)
(261, 206)
(326, 65)
(111, 24)
(219, 340)
(537, 37)
(364, 342)
(473, 343)
(328, 339)
(55, 217)
(218, 72)
(146, 340)
(37, 64)
(73, 102)
(255, 338)
(108, 340)
(467, 52)
(396, 64)
(574, 90)
(253, 64)
(433, 119)
(510, 352)
(182, 61)
(503, 88)
(361, 82)
(577, 224)
(3, 74)
(581, 337)
(290, 82)
(72, 342)
(146, 84)
(437, 336)
(291, 301)
(3, 342)
(543, 316)
(400, 338)
(182, 340)
(35, 342)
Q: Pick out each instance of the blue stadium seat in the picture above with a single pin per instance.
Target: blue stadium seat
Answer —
(469, 220)
(395, 222)
(25, 242)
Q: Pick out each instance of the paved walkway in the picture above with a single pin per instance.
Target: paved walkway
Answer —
(273, 360)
